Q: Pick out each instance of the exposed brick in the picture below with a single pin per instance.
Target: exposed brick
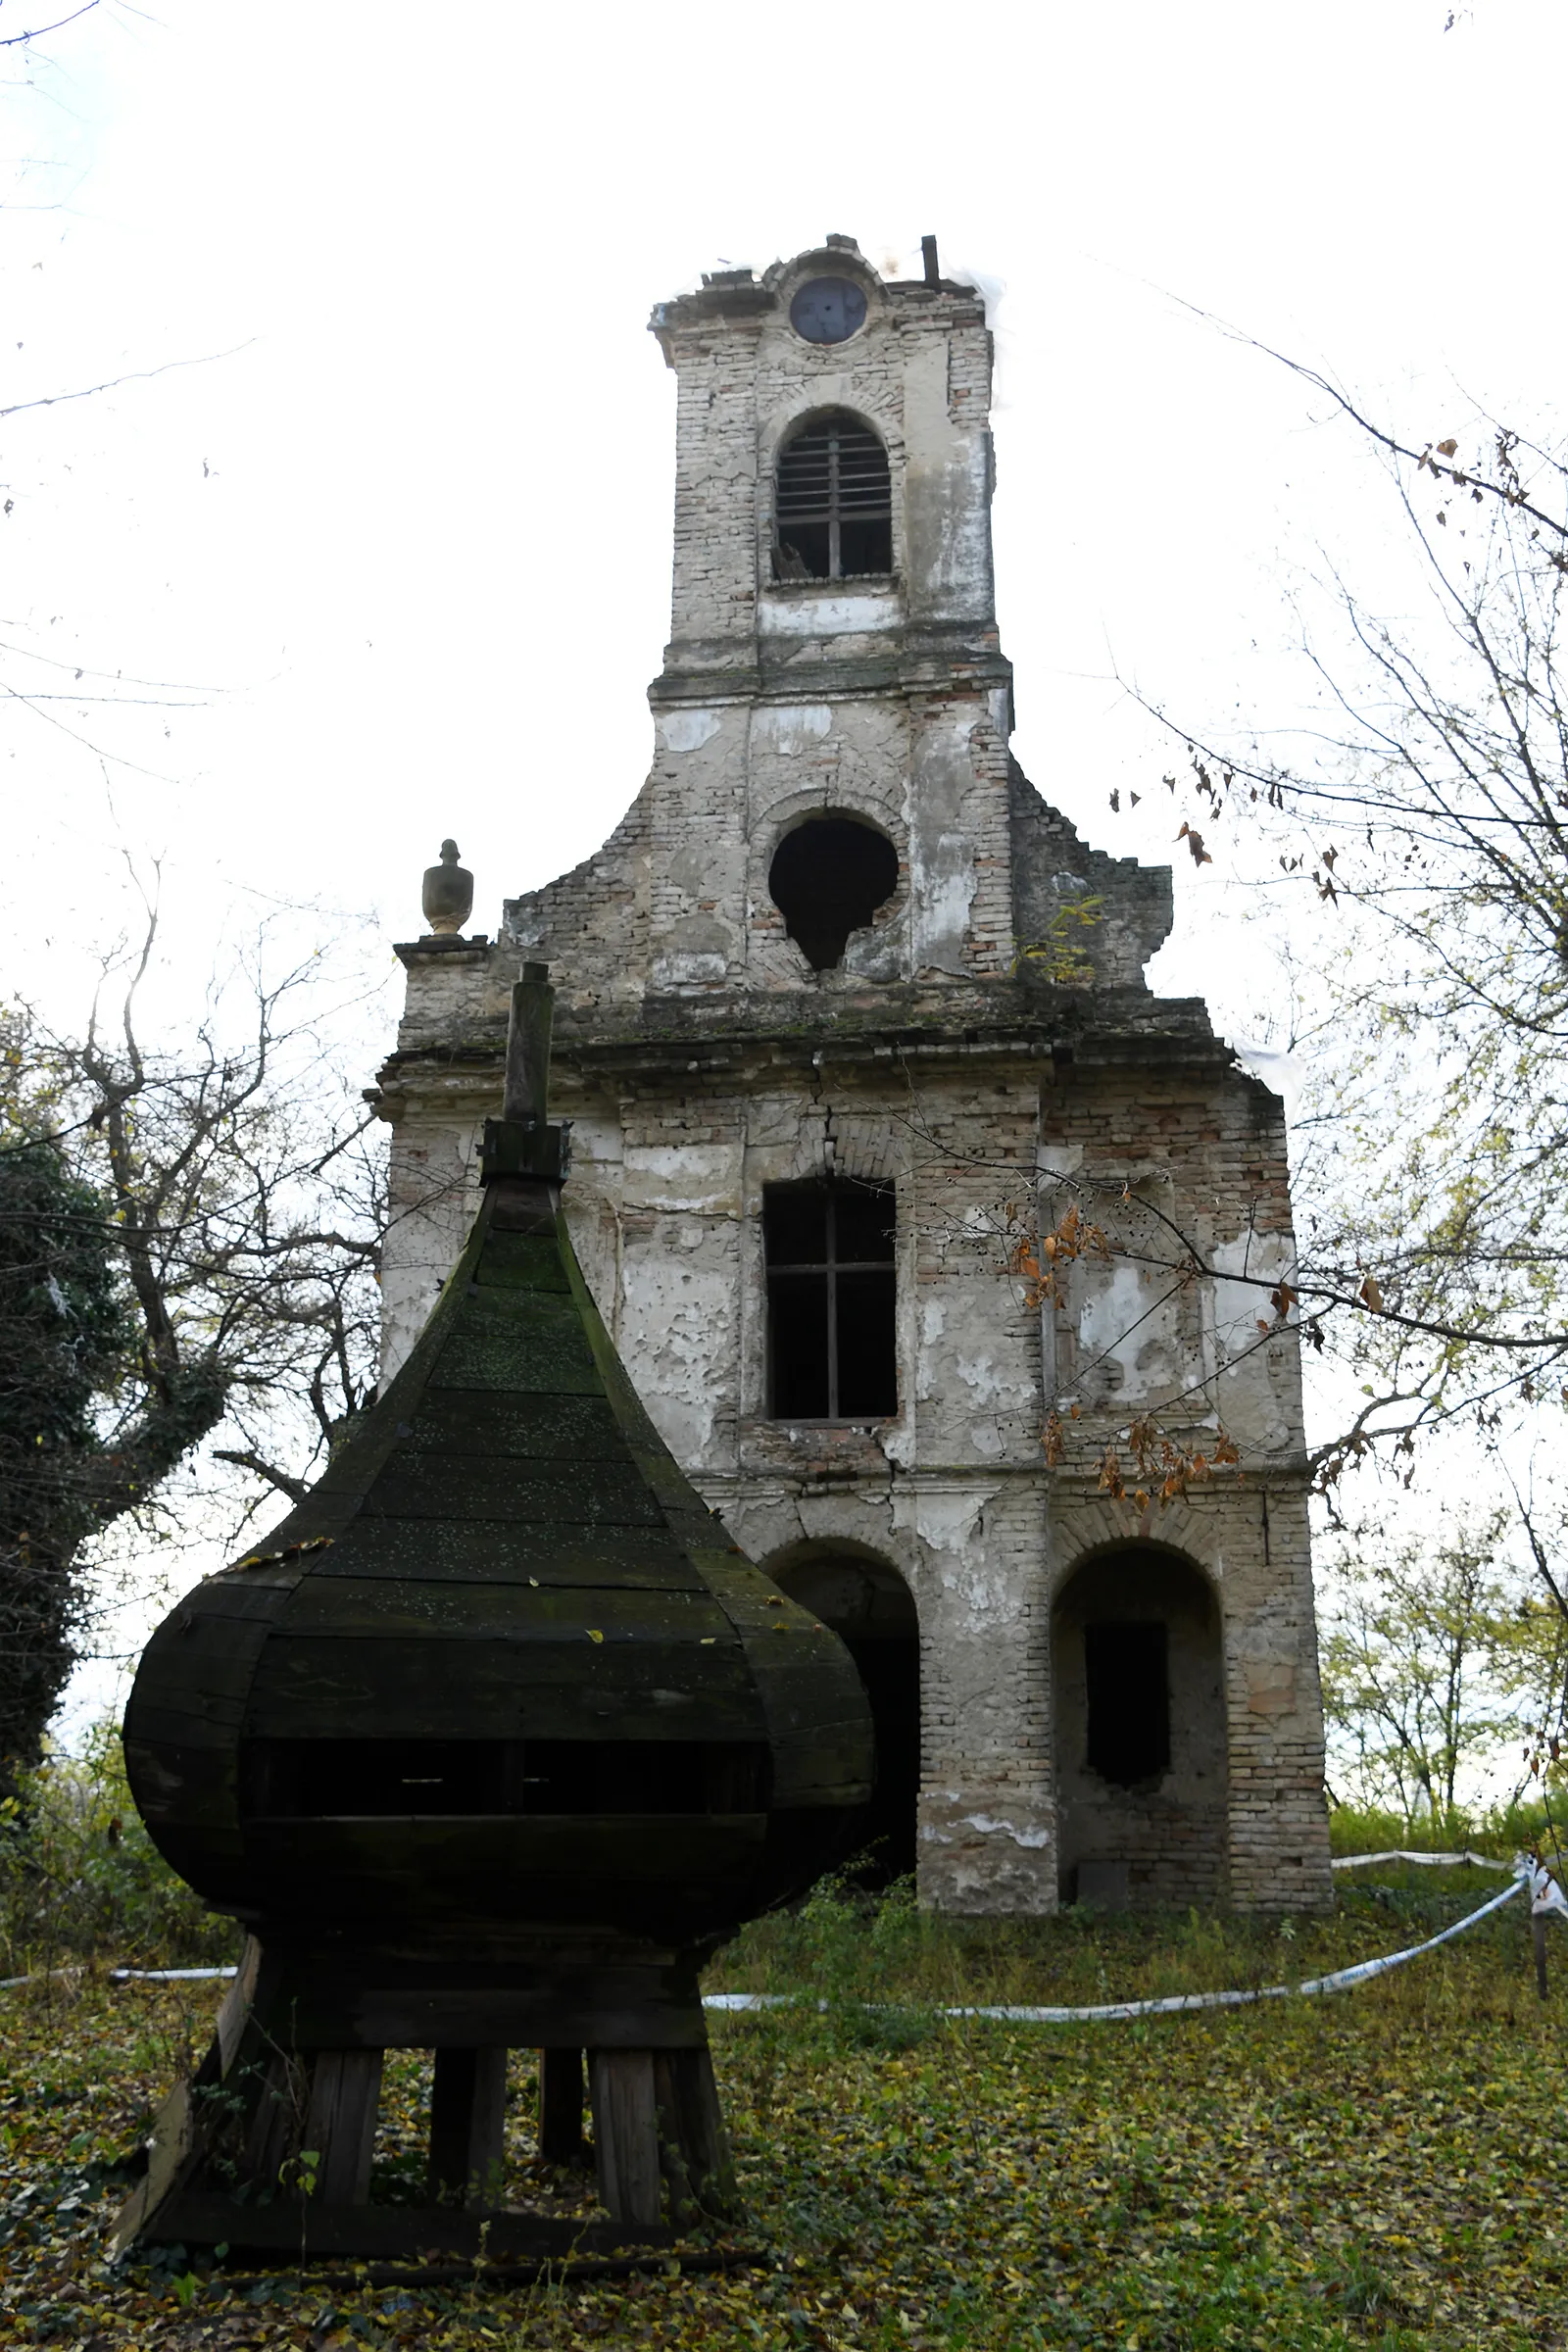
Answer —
(701, 1059)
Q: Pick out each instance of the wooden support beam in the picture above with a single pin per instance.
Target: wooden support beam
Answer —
(693, 2144)
(467, 2126)
(340, 2124)
(561, 2106)
(390, 2232)
(625, 2132)
(275, 2124)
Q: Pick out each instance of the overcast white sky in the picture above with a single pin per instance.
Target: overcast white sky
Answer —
(410, 536)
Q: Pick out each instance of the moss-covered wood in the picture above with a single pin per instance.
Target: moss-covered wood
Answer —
(512, 1554)
(488, 1742)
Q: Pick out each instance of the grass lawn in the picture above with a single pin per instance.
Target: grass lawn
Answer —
(1380, 2166)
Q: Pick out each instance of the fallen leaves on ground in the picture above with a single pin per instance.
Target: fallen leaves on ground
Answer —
(1384, 2167)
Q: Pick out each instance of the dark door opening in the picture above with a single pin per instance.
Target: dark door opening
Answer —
(1128, 1691)
(868, 1606)
(1140, 1731)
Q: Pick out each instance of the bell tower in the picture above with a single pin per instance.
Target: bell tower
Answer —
(833, 646)
(767, 369)
(844, 1005)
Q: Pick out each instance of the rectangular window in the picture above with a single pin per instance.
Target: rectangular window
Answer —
(1129, 1701)
(831, 1341)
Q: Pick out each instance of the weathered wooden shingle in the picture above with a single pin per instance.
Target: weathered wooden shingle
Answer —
(503, 1562)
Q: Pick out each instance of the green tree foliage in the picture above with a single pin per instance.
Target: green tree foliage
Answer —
(189, 1235)
(1436, 1659)
(64, 1337)
(81, 1880)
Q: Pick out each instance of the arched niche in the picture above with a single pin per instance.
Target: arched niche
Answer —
(869, 1606)
(1139, 1704)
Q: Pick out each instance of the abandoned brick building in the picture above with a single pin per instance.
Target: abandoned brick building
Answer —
(843, 1008)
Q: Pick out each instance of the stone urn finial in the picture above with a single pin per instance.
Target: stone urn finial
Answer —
(447, 894)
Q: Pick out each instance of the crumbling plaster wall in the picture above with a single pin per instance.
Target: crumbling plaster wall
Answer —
(677, 902)
(665, 1207)
(1186, 1168)
(1250, 1542)
(919, 370)
(891, 700)
(783, 699)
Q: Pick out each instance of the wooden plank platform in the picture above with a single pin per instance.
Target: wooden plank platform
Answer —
(199, 2218)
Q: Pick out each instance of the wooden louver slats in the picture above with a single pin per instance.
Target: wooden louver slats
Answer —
(833, 469)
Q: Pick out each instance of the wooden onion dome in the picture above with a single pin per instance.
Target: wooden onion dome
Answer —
(488, 1746)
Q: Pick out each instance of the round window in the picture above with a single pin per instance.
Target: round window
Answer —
(828, 309)
(828, 878)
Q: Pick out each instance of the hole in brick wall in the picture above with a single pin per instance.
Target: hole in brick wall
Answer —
(1129, 1701)
(828, 878)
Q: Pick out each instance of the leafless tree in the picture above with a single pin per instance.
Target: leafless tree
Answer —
(1424, 812)
(237, 1189)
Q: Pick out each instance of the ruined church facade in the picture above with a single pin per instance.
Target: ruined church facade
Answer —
(849, 1019)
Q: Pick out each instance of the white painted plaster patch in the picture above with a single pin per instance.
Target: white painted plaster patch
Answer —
(791, 727)
(1033, 1840)
(856, 1519)
(1060, 1159)
(898, 1446)
(688, 971)
(1121, 1324)
(944, 906)
(1237, 1304)
(688, 730)
(684, 1176)
(676, 1319)
(990, 1385)
(826, 616)
(945, 1520)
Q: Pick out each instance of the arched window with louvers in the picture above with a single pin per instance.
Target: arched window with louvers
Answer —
(833, 502)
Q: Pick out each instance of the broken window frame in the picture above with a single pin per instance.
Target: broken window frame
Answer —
(847, 496)
(830, 1267)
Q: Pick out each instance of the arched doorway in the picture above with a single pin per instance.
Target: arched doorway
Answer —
(1139, 1688)
(869, 1607)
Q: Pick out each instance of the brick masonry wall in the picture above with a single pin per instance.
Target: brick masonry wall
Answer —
(954, 1493)
(701, 1059)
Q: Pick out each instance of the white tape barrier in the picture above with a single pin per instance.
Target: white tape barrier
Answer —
(116, 1976)
(1544, 1892)
(1544, 1888)
(1440, 1861)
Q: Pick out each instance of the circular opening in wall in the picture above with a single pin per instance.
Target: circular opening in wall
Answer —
(828, 878)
